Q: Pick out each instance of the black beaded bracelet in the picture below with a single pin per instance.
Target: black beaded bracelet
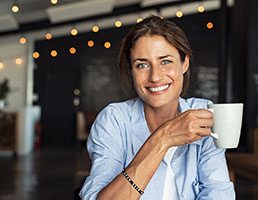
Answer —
(132, 183)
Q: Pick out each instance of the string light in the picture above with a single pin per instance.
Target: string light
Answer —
(95, 29)
(201, 8)
(48, 36)
(139, 19)
(179, 13)
(54, 2)
(90, 43)
(76, 91)
(53, 53)
(72, 50)
(1, 65)
(74, 31)
(118, 23)
(22, 40)
(18, 61)
(76, 101)
(15, 7)
(209, 25)
(35, 55)
(107, 45)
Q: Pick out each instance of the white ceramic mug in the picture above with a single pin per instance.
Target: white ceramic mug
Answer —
(227, 124)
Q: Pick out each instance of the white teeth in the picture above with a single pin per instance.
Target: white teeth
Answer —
(158, 89)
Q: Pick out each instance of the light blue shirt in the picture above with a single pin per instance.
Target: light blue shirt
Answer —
(120, 130)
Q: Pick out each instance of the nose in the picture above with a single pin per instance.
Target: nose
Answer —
(155, 74)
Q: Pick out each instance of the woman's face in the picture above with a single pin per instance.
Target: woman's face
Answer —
(157, 71)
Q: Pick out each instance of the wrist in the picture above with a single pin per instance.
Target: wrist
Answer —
(162, 141)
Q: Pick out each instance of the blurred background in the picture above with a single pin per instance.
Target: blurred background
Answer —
(58, 69)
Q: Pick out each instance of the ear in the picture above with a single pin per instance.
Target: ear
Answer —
(186, 64)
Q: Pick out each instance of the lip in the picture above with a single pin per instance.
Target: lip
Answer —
(156, 88)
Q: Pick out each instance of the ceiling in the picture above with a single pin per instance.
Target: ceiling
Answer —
(35, 15)
(34, 10)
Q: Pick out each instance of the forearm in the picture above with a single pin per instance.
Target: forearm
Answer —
(140, 170)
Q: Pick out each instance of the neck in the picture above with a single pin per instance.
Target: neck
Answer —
(155, 117)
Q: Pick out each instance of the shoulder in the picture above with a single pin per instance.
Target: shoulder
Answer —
(116, 115)
(121, 106)
(118, 110)
(107, 131)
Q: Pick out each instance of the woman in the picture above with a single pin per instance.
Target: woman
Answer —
(156, 146)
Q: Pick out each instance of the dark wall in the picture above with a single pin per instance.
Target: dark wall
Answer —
(55, 80)
(252, 64)
(100, 82)
(92, 70)
(205, 44)
(244, 37)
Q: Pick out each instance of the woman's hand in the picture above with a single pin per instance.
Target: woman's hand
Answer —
(187, 127)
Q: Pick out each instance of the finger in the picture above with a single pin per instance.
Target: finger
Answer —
(204, 114)
(203, 132)
(196, 124)
(198, 113)
(205, 123)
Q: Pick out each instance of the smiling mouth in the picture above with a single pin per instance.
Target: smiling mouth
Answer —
(159, 88)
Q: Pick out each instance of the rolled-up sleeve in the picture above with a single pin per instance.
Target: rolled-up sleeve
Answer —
(106, 152)
(213, 174)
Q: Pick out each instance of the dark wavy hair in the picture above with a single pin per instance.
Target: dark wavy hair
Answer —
(153, 25)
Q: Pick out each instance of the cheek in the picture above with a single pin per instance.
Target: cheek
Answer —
(133, 76)
(137, 81)
(175, 74)
(138, 77)
(177, 77)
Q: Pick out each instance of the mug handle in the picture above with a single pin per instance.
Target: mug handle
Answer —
(214, 135)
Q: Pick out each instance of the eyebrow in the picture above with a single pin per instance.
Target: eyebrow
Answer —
(145, 59)
(168, 55)
(140, 59)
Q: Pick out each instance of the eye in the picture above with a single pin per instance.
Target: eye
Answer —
(166, 62)
(142, 65)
